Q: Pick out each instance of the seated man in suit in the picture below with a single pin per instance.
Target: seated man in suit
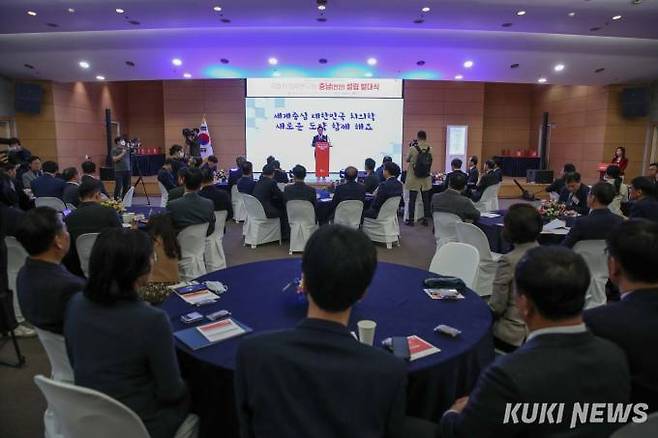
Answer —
(559, 183)
(380, 170)
(70, 194)
(211, 164)
(246, 182)
(44, 286)
(165, 175)
(177, 155)
(645, 205)
(561, 362)
(178, 191)
(488, 179)
(192, 209)
(632, 322)
(372, 180)
(600, 220)
(47, 184)
(497, 170)
(280, 176)
(473, 174)
(89, 217)
(652, 173)
(89, 174)
(234, 174)
(267, 192)
(452, 201)
(33, 172)
(574, 194)
(456, 165)
(346, 389)
(299, 190)
(390, 188)
(351, 190)
(219, 198)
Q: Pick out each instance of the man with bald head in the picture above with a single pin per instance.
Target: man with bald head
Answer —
(350, 190)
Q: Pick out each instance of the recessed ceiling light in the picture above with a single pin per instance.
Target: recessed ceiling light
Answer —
(322, 60)
(119, 11)
(32, 13)
(83, 64)
(426, 9)
(541, 80)
(177, 61)
(419, 21)
(372, 61)
(71, 10)
(224, 61)
(217, 8)
(322, 7)
(514, 66)
(276, 74)
(273, 61)
(187, 75)
(368, 75)
(599, 70)
(459, 77)
(100, 77)
(616, 17)
(559, 67)
(468, 64)
(572, 14)
(520, 13)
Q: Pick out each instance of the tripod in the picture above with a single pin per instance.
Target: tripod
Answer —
(140, 177)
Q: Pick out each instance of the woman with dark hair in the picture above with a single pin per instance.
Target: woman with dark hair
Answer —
(613, 176)
(620, 159)
(167, 250)
(523, 224)
(120, 345)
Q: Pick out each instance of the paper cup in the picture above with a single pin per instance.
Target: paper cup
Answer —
(367, 331)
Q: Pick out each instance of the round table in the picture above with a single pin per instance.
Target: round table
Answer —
(395, 300)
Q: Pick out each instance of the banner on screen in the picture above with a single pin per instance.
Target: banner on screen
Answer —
(329, 87)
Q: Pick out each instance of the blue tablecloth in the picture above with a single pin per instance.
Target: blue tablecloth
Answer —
(395, 300)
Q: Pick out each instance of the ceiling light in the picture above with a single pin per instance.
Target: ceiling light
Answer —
(459, 77)
(322, 7)
(71, 10)
(559, 67)
(541, 80)
(273, 61)
(187, 75)
(372, 61)
(572, 14)
(426, 9)
(368, 75)
(616, 17)
(100, 77)
(176, 62)
(468, 64)
(83, 64)
(217, 8)
(520, 13)
(119, 11)
(32, 13)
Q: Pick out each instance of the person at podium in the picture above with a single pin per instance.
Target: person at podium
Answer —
(322, 161)
(320, 137)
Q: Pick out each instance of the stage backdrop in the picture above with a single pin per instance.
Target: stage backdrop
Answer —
(360, 126)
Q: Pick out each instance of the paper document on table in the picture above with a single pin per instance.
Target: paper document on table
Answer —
(419, 348)
(557, 232)
(220, 330)
(555, 224)
(198, 297)
(489, 215)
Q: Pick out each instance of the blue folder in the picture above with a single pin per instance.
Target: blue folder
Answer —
(194, 340)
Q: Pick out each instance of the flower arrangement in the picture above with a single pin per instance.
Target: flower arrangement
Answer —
(220, 174)
(551, 209)
(113, 204)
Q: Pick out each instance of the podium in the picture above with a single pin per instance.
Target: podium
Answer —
(322, 159)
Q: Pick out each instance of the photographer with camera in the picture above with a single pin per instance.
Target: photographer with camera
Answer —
(418, 176)
(122, 168)
(192, 141)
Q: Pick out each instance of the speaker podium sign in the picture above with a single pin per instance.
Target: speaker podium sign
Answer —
(322, 159)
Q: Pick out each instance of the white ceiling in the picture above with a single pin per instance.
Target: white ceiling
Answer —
(452, 32)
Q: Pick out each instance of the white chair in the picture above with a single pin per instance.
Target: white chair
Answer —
(192, 240)
(458, 260)
(419, 212)
(444, 227)
(260, 228)
(47, 201)
(386, 228)
(239, 211)
(128, 197)
(489, 199)
(70, 207)
(214, 256)
(469, 233)
(86, 413)
(301, 216)
(593, 251)
(349, 213)
(16, 256)
(164, 195)
(83, 245)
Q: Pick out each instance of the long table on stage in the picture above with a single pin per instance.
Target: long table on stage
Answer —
(517, 166)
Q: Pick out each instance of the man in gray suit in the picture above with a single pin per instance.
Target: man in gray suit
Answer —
(452, 200)
(191, 208)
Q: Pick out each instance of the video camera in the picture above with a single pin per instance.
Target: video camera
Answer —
(187, 133)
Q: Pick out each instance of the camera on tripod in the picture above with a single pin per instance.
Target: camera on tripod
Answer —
(132, 144)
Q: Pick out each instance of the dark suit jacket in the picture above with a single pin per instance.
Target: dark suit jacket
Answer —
(233, 176)
(451, 201)
(246, 185)
(388, 189)
(11, 219)
(371, 182)
(268, 193)
(219, 198)
(44, 290)
(317, 138)
(488, 179)
(472, 177)
(632, 324)
(299, 191)
(71, 195)
(175, 193)
(317, 381)
(351, 190)
(595, 226)
(556, 186)
(446, 182)
(48, 185)
(84, 178)
(380, 173)
(126, 350)
(89, 217)
(167, 179)
(549, 368)
(498, 172)
(646, 208)
(578, 201)
(281, 177)
(192, 209)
